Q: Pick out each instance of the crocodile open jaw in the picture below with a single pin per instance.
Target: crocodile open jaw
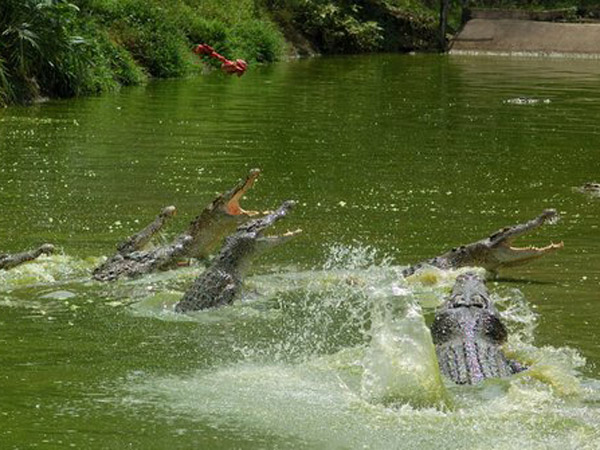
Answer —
(232, 206)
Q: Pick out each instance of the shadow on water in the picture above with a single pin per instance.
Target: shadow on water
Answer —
(526, 281)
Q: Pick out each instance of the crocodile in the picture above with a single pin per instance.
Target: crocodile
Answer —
(221, 283)
(468, 334)
(526, 101)
(590, 188)
(203, 235)
(8, 261)
(496, 251)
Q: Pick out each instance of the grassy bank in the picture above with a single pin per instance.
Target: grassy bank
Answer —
(60, 48)
(63, 48)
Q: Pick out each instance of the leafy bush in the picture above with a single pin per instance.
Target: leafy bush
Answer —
(74, 47)
(200, 30)
(39, 52)
(124, 69)
(254, 39)
(257, 40)
(149, 33)
(337, 27)
(160, 35)
(50, 49)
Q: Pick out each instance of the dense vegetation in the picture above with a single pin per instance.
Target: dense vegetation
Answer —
(73, 47)
(351, 26)
(62, 48)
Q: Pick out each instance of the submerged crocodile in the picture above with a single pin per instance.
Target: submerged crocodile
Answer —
(495, 251)
(590, 188)
(8, 261)
(468, 334)
(205, 232)
(221, 283)
(526, 101)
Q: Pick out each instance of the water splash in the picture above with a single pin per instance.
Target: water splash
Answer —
(46, 270)
(341, 357)
(321, 405)
(400, 362)
(351, 257)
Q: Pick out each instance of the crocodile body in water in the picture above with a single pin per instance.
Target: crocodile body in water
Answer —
(590, 188)
(526, 101)
(205, 232)
(468, 334)
(8, 261)
(494, 252)
(221, 283)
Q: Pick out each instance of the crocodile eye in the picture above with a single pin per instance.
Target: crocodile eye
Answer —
(459, 298)
(479, 299)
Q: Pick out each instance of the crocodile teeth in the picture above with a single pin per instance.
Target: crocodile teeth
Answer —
(552, 246)
(292, 233)
(248, 213)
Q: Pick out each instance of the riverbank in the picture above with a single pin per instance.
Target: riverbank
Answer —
(68, 48)
(64, 48)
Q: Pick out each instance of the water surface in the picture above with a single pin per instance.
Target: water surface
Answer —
(392, 159)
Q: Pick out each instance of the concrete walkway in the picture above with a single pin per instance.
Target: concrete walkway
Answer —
(527, 36)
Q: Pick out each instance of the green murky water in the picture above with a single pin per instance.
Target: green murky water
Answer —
(392, 159)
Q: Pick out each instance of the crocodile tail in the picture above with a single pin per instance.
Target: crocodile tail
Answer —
(469, 362)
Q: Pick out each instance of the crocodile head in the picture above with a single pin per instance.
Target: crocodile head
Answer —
(498, 250)
(469, 291)
(46, 249)
(591, 188)
(503, 253)
(468, 334)
(250, 239)
(228, 204)
(8, 261)
(222, 282)
(219, 218)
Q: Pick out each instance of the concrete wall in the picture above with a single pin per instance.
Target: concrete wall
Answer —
(523, 36)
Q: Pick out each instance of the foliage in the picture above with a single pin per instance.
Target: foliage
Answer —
(333, 26)
(160, 34)
(148, 32)
(337, 27)
(49, 49)
(39, 49)
(354, 26)
(74, 47)
(257, 41)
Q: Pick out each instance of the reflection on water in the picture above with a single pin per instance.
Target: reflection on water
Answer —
(392, 159)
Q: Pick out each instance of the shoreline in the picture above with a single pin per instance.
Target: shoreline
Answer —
(85, 47)
(79, 48)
